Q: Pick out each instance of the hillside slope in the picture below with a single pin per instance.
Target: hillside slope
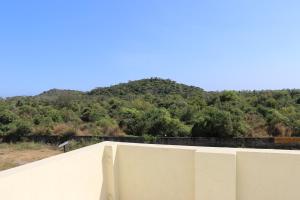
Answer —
(155, 107)
(152, 86)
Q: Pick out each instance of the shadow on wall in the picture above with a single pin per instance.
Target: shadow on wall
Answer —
(109, 190)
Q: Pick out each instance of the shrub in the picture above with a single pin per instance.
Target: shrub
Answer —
(213, 123)
(149, 139)
(229, 96)
(7, 117)
(21, 129)
(93, 114)
(158, 122)
(64, 130)
(109, 126)
(131, 121)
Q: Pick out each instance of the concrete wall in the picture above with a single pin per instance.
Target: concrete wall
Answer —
(77, 175)
(268, 175)
(147, 173)
(215, 174)
(122, 171)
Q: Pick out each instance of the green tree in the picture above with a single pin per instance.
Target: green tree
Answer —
(131, 121)
(158, 122)
(7, 117)
(213, 123)
(93, 113)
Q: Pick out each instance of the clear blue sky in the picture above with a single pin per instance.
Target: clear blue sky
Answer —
(213, 44)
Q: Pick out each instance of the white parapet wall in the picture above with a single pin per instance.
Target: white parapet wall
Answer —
(123, 171)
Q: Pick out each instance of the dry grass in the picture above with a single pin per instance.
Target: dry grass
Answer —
(12, 155)
(64, 129)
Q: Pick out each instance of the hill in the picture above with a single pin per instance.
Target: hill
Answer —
(154, 107)
(55, 93)
(152, 86)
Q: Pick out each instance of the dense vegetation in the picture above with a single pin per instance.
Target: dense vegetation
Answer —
(153, 107)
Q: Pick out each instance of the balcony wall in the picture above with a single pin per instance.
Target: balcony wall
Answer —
(123, 171)
(77, 175)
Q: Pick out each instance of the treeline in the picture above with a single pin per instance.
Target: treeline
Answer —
(153, 107)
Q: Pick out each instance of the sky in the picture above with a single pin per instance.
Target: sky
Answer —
(212, 44)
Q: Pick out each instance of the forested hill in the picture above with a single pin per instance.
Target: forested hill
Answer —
(154, 86)
(155, 107)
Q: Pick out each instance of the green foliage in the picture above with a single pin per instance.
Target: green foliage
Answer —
(214, 123)
(229, 96)
(131, 121)
(158, 122)
(109, 126)
(153, 86)
(93, 113)
(153, 108)
(149, 139)
(22, 128)
(7, 117)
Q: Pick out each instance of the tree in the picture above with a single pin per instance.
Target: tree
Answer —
(93, 113)
(131, 121)
(158, 122)
(229, 96)
(213, 123)
(7, 117)
(23, 128)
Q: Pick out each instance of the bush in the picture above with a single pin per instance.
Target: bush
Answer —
(149, 139)
(213, 123)
(109, 126)
(42, 130)
(158, 122)
(7, 117)
(22, 128)
(131, 121)
(93, 114)
(64, 130)
(229, 96)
